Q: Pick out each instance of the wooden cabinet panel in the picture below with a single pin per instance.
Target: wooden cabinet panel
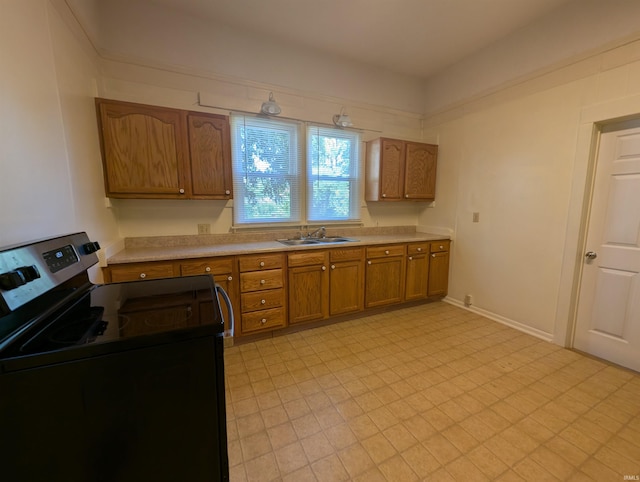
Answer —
(256, 262)
(399, 170)
(346, 286)
(142, 316)
(439, 269)
(141, 271)
(261, 280)
(308, 293)
(384, 275)
(263, 320)
(262, 300)
(420, 171)
(209, 154)
(162, 153)
(214, 266)
(417, 276)
(307, 258)
(345, 254)
(143, 150)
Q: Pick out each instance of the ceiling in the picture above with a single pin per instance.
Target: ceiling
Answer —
(413, 37)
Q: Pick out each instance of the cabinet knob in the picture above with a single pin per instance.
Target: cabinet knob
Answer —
(333, 266)
(410, 258)
(230, 278)
(262, 302)
(263, 321)
(419, 249)
(262, 264)
(227, 192)
(368, 262)
(262, 281)
(433, 255)
(441, 247)
(386, 251)
(181, 191)
(406, 195)
(208, 269)
(324, 268)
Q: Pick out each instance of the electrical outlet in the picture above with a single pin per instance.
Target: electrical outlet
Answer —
(476, 217)
(204, 229)
(467, 300)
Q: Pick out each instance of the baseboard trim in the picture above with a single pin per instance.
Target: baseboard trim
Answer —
(501, 319)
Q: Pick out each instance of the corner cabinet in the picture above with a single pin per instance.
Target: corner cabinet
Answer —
(399, 170)
(161, 153)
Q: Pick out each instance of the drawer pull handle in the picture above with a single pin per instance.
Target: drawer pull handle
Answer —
(384, 195)
(262, 264)
(441, 247)
(419, 249)
(262, 302)
(368, 262)
(263, 321)
(230, 278)
(433, 255)
(262, 281)
(386, 251)
(324, 268)
(208, 269)
(333, 266)
(410, 258)
(143, 275)
(181, 191)
(406, 195)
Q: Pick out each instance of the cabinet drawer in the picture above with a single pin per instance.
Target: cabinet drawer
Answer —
(382, 251)
(346, 254)
(139, 271)
(261, 280)
(261, 320)
(262, 300)
(438, 246)
(310, 258)
(261, 261)
(206, 266)
(417, 248)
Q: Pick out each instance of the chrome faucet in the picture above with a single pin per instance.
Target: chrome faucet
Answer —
(321, 232)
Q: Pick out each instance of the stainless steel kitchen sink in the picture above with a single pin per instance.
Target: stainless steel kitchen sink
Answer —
(307, 241)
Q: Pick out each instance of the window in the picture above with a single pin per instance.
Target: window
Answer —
(332, 174)
(271, 183)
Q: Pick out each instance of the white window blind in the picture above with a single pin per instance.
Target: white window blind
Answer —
(333, 167)
(267, 160)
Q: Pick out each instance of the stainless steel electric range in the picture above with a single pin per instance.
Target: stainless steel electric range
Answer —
(121, 382)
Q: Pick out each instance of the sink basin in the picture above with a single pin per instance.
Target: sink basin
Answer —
(336, 239)
(328, 239)
(297, 242)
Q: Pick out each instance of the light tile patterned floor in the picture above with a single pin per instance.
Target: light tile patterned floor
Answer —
(431, 392)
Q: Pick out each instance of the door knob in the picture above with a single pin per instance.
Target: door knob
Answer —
(591, 255)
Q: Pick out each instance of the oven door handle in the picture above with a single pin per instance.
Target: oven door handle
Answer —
(227, 301)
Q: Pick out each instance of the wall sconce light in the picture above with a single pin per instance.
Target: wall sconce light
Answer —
(342, 119)
(270, 107)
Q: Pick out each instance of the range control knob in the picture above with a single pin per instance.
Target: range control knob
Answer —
(90, 247)
(18, 277)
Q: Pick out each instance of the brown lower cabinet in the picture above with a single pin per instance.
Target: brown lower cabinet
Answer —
(273, 290)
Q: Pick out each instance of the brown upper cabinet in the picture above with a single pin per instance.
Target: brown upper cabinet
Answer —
(161, 153)
(400, 170)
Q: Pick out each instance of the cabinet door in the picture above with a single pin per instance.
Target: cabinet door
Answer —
(308, 293)
(210, 156)
(439, 273)
(346, 287)
(392, 153)
(420, 171)
(144, 150)
(417, 277)
(384, 281)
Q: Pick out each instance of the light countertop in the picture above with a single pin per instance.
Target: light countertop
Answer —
(135, 253)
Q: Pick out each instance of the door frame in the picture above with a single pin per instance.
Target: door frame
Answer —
(593, 120)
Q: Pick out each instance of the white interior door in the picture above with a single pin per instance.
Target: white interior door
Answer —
(608, 315)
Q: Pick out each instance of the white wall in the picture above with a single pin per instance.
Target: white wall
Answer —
(50, 175)
(515, 157)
